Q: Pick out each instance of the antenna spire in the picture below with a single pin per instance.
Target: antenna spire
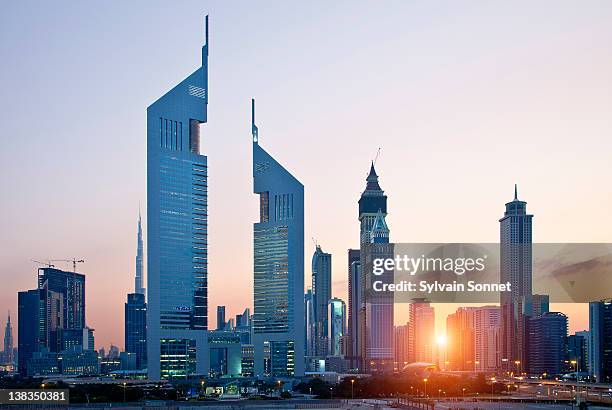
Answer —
(254, 130)
(515, 192)
(206, 29)
(376, 157)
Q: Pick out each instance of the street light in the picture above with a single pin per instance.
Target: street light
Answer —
(463, 392)
(331, 393)
(124, 387)
(492, 385)
(352, 385)
(425, 382)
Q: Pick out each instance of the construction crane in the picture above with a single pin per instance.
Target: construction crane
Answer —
(48, 263)
(74, 262)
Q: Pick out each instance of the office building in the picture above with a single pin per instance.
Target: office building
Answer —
(66, 291)
(577, 352)
(354, 276)
(337, 326)
(136, 329)
(378, 307)
(487, 338)
(221, 317)
(600, 330)
(547, 345)
(321, 293)
(278, 316)
(516, 269)
(310, 324)
(30, 312)
(177, 228)
(460, 352)
(401, 346)
(421, 331)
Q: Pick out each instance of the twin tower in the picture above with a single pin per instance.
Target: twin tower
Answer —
(177, 221)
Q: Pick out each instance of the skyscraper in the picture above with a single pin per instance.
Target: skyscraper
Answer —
(372, 202)
(30, 312)
(136, 328)
(547, 344)
(135, 311)
(421, 331)
(337, 326)
(177, 228)
(354, 303)
(401, 346)
(377, 312)
(220, 317)
(487, 329)
(8, 341)
(600, 330)
(71, 287)
(138, 286)
(460, 331)
(321, 293)
(515, 268)
(310, 324)
(278, 266)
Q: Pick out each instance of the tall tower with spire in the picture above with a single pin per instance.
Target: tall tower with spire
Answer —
(516, 268)
(373, 199)
(177, 228)
(138, 283)
(8, 341)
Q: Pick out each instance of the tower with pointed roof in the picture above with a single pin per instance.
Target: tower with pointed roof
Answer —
(373, 199)
(8, 341)
(515, 268)
(138, 286)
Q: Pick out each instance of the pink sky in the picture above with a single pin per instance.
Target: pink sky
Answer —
(464, 99)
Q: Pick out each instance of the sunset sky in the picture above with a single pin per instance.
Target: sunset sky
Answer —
(464, 98)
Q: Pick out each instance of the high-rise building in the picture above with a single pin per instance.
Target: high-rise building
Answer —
(354, 303)
(577, 352)
(30, 313)
(337, 326)
(461, 334)
(321, 293)
(516, 269)
(278, 266)
(177, 228)
(421, 331)
(600, 329)
(371, 202)
(487, 329)
(547, 344)
(8, 342)
(135, 311)
(401, 346)
(71, 287)
(221, 317)
(136, 328)
(377, 312)
(310, 324)
(586, 336)
(138, 283)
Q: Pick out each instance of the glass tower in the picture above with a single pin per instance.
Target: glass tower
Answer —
(278, 286)
(321, 292)
(177, 221)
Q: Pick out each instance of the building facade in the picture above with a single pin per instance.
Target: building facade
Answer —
(278, 267)
(460, 353)
(354, 303)
(421, 331)
(177, 228)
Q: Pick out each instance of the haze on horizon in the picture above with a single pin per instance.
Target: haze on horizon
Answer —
(465, 100)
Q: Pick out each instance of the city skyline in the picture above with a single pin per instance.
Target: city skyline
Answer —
(110, 253)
